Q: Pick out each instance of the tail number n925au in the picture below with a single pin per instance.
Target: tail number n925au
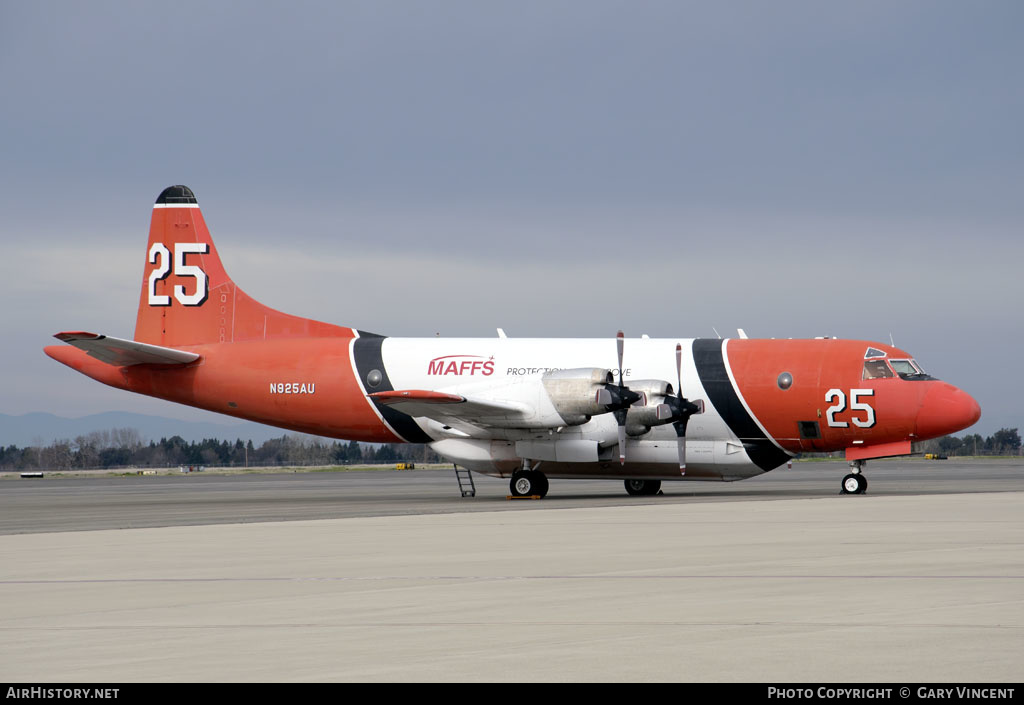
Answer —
(855, 405)
(160, 252)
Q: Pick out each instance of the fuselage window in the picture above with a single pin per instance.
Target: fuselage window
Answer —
(876, 369)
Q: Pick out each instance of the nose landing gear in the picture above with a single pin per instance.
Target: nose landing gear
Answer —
(855, 482)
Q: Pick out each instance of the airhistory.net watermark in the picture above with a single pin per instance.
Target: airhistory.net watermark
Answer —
(39, 693)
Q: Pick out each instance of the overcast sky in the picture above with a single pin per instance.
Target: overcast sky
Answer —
(554, 168)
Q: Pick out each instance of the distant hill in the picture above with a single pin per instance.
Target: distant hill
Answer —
(42, 428)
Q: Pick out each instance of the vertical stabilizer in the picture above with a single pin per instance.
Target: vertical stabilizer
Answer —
(188, 299)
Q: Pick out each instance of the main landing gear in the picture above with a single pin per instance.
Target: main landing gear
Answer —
(855, 482)
(528, 483)
(643, 488)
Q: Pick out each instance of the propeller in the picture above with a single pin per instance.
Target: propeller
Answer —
(682, 409)
(617, 398)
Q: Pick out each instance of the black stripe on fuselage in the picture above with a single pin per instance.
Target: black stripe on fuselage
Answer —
(368, 357)
(710, 363)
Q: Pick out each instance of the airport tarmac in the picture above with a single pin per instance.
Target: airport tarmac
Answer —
(110, 502)
(391, 576)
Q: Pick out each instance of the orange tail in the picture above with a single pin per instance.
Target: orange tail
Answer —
(187, 297)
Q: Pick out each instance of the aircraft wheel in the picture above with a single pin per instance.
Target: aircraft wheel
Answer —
(521, 485)
(529, 483)
(642, 488)
(541, 483)
(855, 483)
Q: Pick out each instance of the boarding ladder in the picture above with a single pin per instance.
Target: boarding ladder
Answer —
(465, 480)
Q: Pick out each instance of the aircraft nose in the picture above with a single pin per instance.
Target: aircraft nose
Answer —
(946, 409)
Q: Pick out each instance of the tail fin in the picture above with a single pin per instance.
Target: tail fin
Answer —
(187, 298)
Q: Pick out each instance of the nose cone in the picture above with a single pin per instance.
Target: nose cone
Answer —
(945, 410)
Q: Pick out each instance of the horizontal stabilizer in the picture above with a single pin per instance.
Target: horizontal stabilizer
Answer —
(122, 353)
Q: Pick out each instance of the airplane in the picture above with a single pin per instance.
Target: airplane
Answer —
(642, 411)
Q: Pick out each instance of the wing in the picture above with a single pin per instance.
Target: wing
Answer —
(456, 409)
(122, 353)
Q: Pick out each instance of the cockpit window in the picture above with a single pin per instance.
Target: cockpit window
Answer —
(876, 369)
(909, 369)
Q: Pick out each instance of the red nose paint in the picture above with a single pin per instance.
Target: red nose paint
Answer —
(945, 410)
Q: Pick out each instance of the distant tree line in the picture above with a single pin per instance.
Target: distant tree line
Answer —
(124, 448)
(1005, 441)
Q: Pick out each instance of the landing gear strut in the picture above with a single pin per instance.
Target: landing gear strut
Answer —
(528, 483)
(855, 482)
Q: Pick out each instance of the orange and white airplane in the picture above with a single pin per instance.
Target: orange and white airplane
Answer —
(642, 410)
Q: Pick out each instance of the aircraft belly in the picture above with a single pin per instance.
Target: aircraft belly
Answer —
(614, 471)
(658, 459)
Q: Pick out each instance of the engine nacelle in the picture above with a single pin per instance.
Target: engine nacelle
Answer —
(574, 393)
(654, 389)
(653, 412)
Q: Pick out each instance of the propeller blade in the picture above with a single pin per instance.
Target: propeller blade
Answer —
(623, 397)
(681, 424)
(620, 343)
(679, 369)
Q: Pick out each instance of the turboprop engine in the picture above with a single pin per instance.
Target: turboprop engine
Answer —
(652, 409)
(576, 394)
